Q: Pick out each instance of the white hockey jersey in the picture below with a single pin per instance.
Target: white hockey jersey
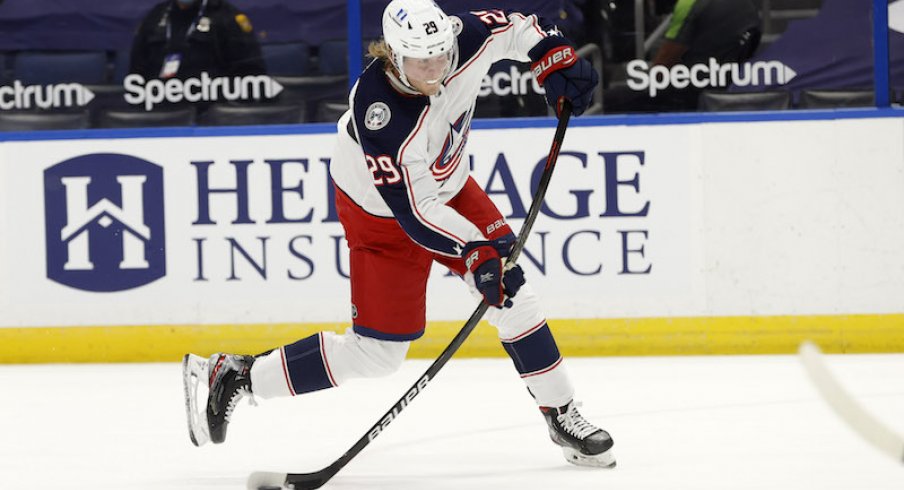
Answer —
(399, 153)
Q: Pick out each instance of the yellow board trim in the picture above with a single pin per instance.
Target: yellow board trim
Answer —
(583, 337)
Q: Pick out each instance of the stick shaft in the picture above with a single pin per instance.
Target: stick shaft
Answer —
(845, 406)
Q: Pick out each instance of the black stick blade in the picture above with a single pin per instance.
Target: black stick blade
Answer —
(307, 481)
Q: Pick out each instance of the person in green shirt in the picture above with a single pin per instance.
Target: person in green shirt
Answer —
(700, 32)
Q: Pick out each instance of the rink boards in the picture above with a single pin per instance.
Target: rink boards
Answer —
(660, 235)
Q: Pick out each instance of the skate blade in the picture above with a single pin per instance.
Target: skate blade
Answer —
(194, 370)
(603, 460)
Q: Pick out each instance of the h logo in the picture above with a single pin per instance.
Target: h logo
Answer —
(104, 222)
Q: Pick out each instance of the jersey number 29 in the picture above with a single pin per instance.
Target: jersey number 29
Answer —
(383, 170)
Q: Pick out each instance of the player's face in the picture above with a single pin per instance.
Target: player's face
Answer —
(426, 74)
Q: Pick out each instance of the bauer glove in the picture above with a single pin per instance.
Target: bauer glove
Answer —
(563, 74)
(484, 260)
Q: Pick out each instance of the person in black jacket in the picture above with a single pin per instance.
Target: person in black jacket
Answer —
(183, 38)
(726, 31)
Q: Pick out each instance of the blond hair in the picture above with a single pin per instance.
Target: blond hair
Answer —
(380, 50)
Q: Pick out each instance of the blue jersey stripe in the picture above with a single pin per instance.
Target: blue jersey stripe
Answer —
(397, 198)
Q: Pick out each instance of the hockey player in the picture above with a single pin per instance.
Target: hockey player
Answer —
(405, 199)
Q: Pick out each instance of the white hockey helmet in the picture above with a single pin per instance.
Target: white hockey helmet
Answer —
(416, 29)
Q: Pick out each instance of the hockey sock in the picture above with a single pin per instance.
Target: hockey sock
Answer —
(306, 365)
(538, 361)
(322, 361)
(534, 351)
(292, 370)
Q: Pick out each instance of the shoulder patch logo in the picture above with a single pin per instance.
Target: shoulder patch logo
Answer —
(377, 116)
(457, 24)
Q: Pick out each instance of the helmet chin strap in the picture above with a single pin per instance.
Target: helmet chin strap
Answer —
(397, 63)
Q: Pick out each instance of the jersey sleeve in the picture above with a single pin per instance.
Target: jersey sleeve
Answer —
(394, 141)
(507, 35)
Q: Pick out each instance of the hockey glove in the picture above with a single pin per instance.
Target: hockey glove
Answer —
(513, 277)
(484, 261)
(563, 74)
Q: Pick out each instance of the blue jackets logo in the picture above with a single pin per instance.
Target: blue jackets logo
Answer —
(104, 222)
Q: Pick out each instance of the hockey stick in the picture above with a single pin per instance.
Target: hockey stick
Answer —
(864, 423)
(269, 480)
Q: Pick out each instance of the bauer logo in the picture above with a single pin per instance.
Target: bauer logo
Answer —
(104, 222)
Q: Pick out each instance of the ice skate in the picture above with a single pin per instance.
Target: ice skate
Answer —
(227, 379)
(582, 443)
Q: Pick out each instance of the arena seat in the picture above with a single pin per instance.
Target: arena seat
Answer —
(250, 115)
(718, 101)
(330, 110)
(5, 67)
(834, 99)
(44, 67)
(36, 121)
(119, 118)
(325, 83)
(287, 60)
(121, 59)
(107, 96)
(332, 58)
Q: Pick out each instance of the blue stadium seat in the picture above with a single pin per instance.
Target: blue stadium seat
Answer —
(40, 67)
(121, 65)
(328, 82)
(287, 60)
(4, 67)
(332, 58)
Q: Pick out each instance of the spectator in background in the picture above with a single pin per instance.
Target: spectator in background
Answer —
(727, 30)
(594, 29)
(182, 38)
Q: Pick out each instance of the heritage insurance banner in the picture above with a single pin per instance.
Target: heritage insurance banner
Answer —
(240, 229)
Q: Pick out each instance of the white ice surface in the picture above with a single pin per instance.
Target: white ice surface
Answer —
(678, 423)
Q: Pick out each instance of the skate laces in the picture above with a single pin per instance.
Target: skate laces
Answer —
(574, 423)
(239, 391)
(236, 397)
